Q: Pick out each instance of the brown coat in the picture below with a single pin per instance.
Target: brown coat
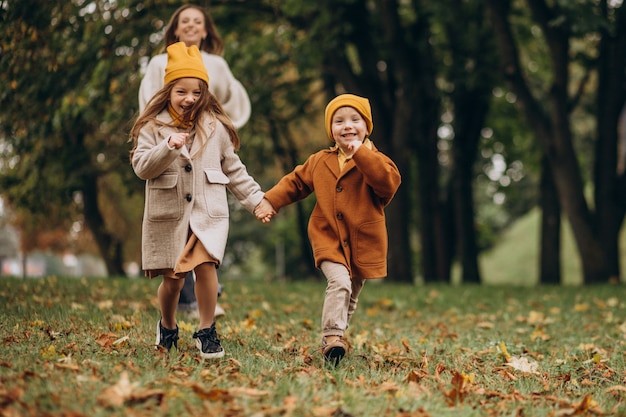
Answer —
(185, 192)
(347, 224)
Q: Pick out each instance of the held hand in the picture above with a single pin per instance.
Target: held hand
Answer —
(264, 211)
(177, 140)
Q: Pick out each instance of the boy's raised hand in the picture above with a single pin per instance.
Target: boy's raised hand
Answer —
(264, 211)
(352, 147)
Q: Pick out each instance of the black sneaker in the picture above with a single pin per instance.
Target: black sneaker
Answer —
(208, 343)
(166, 337)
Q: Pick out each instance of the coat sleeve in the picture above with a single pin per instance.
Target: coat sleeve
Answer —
(379, 171)
(152, 81)
(295, 186)
(152, 155)
(227, 89)
(241, 184)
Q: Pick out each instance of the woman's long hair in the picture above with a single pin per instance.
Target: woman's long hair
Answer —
(213, 43)
(204, 108)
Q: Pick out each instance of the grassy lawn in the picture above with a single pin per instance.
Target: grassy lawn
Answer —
(84, 347)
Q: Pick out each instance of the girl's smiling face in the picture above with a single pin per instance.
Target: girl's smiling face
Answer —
(191, 27)
(347, 125)
(184, 94)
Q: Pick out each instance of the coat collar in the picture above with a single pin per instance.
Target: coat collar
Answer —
(333, 162)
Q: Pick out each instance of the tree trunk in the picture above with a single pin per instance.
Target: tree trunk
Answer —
(424, 118)
(470, 99)
(549, 119)
(399, 265)
(471, 110)
(435, 262)
(309, 270)
(110, 248)
(550, 252)
(609, 170)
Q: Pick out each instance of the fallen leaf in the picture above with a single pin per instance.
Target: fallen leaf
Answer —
(585, 407)
(325, 411)
(619, 389)
(523, 364)
(581, 307)
(535, 317)
(49, 353)
(407, 347)
(71, 367)
(504, 352)
(416, 376)
(389, 386)
(116, 395)
(460, 383)
(248, 392)
(121, 340)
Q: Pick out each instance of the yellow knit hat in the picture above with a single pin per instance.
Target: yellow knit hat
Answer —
(184, 62)
(360, 104)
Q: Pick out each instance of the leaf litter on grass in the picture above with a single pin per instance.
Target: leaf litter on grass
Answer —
(415, 352)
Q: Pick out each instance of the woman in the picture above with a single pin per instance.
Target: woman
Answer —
(193, 25)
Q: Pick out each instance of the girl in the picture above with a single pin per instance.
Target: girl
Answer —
(353, 182)
(193, 25)
(184, 147)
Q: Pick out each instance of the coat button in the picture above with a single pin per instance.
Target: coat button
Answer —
(340, 216)
(339, 188)
(188, 197)
(345, 243)
(188, 167)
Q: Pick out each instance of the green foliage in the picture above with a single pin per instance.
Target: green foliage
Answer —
(69, 78)
(70, 70)
(85, 347)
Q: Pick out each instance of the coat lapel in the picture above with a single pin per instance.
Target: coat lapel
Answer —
(332, 163)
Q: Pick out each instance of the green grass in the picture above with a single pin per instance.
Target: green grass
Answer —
(84, 347)
(515, 259)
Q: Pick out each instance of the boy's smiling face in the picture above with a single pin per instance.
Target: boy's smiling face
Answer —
(347, 126)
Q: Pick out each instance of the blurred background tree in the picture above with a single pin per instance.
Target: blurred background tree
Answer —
(451, 85)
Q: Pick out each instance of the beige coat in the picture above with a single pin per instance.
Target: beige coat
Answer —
(347, 224)
(185, 193)
(222, 83)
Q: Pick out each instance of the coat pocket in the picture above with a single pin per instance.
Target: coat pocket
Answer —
(163, 202)
(215, 193)
(370, 244)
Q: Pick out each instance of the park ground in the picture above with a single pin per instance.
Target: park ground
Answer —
(85, 347)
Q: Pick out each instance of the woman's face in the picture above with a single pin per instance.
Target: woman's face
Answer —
(184, 93)
(191, 27)
(347, 125)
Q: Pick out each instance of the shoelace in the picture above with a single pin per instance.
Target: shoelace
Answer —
(169, 339)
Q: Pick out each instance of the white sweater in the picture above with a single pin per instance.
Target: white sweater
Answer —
(222, 83)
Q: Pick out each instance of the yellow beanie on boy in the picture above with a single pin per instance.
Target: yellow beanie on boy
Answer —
(360, 104)
(184, 62)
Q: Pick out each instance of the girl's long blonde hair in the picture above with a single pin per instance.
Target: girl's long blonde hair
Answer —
(205, 107)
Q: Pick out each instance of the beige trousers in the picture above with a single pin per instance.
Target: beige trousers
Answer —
(342, 296)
